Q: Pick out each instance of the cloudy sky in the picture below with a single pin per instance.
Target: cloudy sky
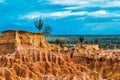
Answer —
(64, 16)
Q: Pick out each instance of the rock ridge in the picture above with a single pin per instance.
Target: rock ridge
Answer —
(11, 40)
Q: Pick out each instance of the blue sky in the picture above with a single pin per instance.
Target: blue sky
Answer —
(64, 16)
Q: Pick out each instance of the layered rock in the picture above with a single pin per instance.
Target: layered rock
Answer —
(104, 62)
(38, 64)
(11, 41)
(27, 56)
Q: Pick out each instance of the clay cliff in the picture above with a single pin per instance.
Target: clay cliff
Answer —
(27, 56)
(104, 62)
(10, 41)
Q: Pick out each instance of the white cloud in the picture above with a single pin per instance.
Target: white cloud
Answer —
(113, 4)
(72, 8)
(86, 3)
(2, 1)
(59, 14)
(80, 18)
(104, 14)
(62, 14)
(97, 28)
(68, 2)
(31, 15)
(98, 13)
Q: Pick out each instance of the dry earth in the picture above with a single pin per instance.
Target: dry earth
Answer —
(27, 56)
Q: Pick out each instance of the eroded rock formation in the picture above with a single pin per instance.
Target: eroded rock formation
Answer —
(27, 56)
(10, 41)
(104, 62)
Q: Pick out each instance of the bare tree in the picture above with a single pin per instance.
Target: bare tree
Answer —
(96, 41)
(47, 30)
(38, 23)
(81, 39)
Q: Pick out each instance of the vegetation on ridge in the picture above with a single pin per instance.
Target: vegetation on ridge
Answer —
(39, 24)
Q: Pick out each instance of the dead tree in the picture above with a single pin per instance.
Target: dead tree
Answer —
(38, 23)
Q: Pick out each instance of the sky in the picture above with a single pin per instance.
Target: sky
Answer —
(101, 17)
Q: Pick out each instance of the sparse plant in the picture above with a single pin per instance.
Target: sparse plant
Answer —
(86, 42)
(96, 41)
(60, 42)
(47, 30)
(38, 23)
(81, 39)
